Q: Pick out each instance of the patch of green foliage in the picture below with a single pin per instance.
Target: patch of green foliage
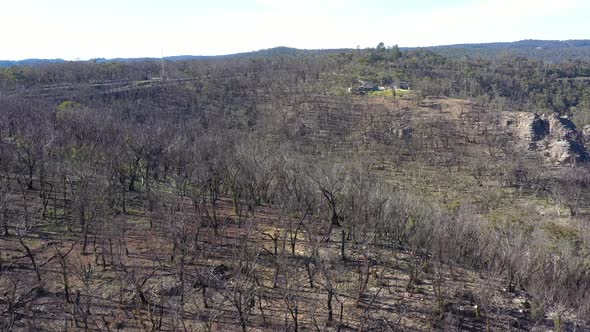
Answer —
(67, 107)
(562, 233)
(390, 93)
(507, 222)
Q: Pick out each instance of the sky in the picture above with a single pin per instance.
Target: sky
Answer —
(85, 29)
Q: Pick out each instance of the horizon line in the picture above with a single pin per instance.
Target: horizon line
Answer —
(267, 49)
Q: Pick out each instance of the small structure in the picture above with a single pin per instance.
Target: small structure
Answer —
(368, 86)
(401, 86)
(364, 88)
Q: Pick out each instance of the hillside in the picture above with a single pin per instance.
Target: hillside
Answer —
(552, 51)
(275, 51)
(256, 194)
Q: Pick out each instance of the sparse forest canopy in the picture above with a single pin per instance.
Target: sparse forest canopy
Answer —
(254, 193)
(506, 80)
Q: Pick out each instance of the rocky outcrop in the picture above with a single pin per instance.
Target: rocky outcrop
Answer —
(538, 128)
(560, 152)
(586, 134)
(555, 137)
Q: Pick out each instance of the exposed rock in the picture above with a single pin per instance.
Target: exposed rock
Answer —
(586, 134)
(528, 127)
(553, 136)
(539, 128)
(405, 133)
(561, 128)
(561, 152)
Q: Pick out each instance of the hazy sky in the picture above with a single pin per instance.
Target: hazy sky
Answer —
(86, 29)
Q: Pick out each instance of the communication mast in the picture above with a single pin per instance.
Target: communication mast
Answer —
(162, 74)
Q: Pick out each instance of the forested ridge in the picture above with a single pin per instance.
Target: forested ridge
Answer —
(256, 193)
(551, 51)
(505, 80)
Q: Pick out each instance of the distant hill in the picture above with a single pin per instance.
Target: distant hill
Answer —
(28, 62)
(522, 44)
(545, 50)
(275, 51)
(281, 50)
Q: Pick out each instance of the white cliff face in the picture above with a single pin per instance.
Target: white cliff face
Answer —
(561, 152)
(553, 136)
(586, 134)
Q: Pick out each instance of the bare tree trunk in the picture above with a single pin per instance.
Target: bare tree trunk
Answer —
(330, 309)
(342, 244)
(64, 271)
(31, 257)
(310, 276)
(30, 182)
